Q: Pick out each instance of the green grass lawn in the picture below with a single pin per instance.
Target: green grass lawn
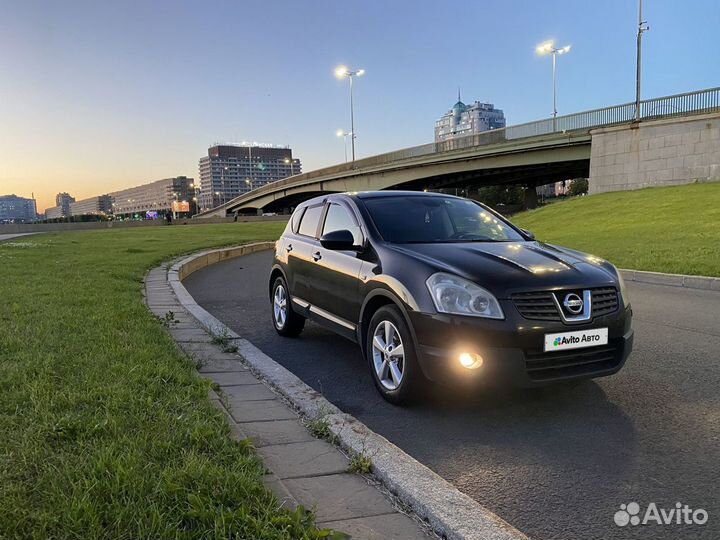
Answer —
(671, 229)
(105, 430)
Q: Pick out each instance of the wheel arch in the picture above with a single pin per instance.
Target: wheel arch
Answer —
(374, 301)
(275, 273)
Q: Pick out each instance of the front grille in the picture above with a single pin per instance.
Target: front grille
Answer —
(540, 305)
(536, 305)
(604, 301)
(552, 365)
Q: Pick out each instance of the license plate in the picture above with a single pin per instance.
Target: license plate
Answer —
(576, 340)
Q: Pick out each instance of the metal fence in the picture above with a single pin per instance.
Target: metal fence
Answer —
(702, 101)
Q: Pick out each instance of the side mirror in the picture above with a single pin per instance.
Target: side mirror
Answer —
(529, 234)
(338, 240)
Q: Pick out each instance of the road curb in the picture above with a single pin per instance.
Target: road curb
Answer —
(706, 283)
(450, 513)
(300, 469)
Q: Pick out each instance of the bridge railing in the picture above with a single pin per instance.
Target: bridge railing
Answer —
(691, 102)
(701, 101)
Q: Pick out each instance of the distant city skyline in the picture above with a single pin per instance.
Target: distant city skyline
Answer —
(97, 97)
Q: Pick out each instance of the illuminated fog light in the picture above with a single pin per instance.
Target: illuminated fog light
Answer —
(470, 360)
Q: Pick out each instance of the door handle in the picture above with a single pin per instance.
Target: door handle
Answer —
(317, 256)
(288, 248)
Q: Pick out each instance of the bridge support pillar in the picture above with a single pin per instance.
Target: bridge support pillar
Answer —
(531, 200)
(664, 152)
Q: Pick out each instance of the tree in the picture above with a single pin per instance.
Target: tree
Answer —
(579, 186)
(494, 195)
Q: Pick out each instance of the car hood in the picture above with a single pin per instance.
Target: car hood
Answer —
(505, 267)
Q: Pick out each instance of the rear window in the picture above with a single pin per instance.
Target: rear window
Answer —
(295, 220)
(310, 220)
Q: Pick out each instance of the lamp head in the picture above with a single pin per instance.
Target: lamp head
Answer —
(545, 48)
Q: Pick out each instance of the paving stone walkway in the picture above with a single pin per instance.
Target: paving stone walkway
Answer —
(304, 470)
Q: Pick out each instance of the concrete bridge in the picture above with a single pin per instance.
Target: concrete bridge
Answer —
(676, 141)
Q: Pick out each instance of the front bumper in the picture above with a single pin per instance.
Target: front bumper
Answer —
(512, 349)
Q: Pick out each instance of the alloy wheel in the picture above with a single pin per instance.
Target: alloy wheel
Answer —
(280, 306)
(388, 355)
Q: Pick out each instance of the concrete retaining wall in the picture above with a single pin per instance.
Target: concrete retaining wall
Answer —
(92, 225)
(197, 262)
(656, 153)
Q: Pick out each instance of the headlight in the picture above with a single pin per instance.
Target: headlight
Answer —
(623, 290)
(453, 294)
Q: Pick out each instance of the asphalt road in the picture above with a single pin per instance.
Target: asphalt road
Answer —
(555, 462)
(11, 236)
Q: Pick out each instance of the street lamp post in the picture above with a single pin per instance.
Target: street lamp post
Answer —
(193, 198)
(642, 27)
(252, 167)
(344, 134)
(550, 48)
(222, 181)
(174, 204)
(249, 182)
(290, 162)
(341, 72)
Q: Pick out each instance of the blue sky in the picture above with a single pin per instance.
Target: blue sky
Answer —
(95, 96)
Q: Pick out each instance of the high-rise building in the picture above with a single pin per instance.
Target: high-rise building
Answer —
(17, 209)
(229, 170)
(62, 210)
(463, 120)
(63, 200)
(174, 195)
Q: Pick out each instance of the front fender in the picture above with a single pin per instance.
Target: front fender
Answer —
(388, 285)
(385, 289)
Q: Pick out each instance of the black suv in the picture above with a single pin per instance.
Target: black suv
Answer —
(439, 287)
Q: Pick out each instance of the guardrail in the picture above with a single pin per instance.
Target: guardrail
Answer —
(701, 101)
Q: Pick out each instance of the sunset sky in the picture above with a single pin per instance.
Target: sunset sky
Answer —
(97, 96)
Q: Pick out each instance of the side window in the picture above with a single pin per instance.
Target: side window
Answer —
(309, 221)
(295, 219)
(339, 218)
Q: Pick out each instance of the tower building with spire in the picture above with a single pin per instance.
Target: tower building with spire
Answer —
(463, 120)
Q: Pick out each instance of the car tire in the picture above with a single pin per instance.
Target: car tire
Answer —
(396, 376)
(287, 323)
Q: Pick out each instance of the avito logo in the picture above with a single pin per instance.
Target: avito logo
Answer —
(573, 340)
(681, 514)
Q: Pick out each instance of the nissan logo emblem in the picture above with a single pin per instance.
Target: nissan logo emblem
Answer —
(573, 303)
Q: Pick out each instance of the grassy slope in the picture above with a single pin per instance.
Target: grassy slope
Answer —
(672, 229)
(105, 431)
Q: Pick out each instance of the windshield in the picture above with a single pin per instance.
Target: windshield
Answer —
(423, 219)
